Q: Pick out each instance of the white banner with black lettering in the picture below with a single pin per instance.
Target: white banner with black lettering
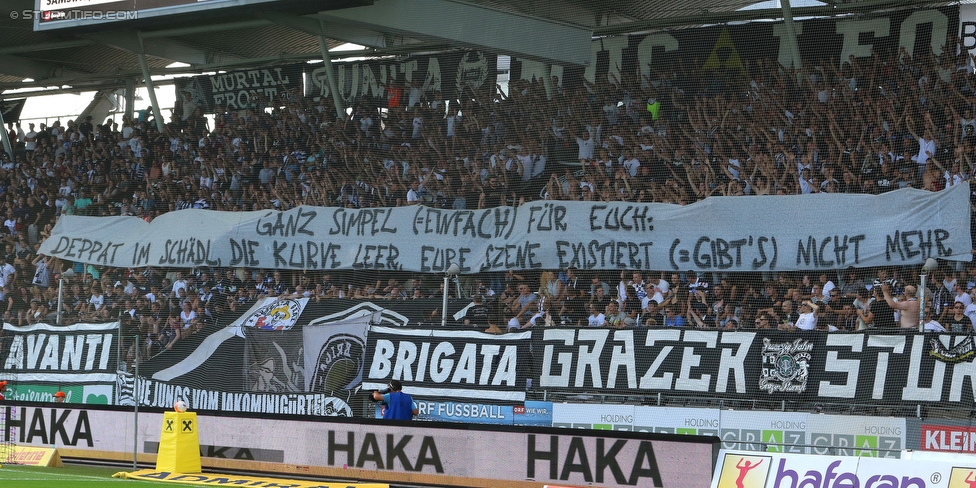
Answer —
(902, 227)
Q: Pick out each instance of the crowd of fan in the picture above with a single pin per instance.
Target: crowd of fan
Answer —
(867, 125)
(852, 300)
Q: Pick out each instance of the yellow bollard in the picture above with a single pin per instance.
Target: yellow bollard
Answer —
(179, 444)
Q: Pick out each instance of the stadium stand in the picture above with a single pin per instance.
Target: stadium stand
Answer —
(596, 143)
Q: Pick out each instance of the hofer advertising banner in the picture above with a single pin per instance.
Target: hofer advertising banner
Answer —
(745, 469)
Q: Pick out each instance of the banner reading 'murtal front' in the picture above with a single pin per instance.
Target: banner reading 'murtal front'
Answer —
(767, 233)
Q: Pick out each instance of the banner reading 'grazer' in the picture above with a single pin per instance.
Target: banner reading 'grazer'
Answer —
(902, 227)
(865, 368)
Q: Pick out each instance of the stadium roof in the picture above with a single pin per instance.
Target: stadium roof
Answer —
(106, 57)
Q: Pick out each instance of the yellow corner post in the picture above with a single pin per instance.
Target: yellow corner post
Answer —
(179, 444)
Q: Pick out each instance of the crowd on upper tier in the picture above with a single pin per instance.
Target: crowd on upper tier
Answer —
(861, 125)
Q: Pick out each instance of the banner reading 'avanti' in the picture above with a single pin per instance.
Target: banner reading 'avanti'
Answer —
(797, 232)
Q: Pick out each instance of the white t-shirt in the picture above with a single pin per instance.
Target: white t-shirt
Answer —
(598, 320)
(933, 326)
(6, 271)
(187, 318)
(806, 321)
(924, 146)
(586, 147)
(631, 166)
(829, 285)
(179, 288)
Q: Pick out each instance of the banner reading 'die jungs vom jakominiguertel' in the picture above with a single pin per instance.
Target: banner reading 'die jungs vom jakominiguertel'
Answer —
(749, 469)
(39, 359)
(282, 356)
(235, 89)
(867, 368)
(901, 227)
(450, 364)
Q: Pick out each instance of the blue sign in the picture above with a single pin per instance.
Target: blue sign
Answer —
(476, 413)
(534, 413)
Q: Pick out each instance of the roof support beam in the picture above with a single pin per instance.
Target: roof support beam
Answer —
(29, 68)
(157, 114)
(791, 45)
(330, 78)
(333, 30)
(472, 26)
(744, 15)
(203, 29)
(46, 46)
(132, 41)
(7, 148)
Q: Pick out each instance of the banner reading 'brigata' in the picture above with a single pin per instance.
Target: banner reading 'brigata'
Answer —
(794, 232)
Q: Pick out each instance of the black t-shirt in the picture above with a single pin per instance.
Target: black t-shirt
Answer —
(962, 325)
(884, 315)
(477, 315)
(86, 128)
(758, 302)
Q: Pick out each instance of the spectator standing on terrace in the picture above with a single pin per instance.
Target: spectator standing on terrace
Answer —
(908, 318)
(672, 319)
(399, 405)
(808, 316)
(957, 321)
(596, 318)
(521, 307)
(478, 314)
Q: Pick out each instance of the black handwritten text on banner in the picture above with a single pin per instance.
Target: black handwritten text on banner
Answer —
(898, 228)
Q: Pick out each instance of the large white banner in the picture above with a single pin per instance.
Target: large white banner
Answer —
(797, 232)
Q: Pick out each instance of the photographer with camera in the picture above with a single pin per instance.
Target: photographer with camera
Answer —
(399, 405)
(908, 318)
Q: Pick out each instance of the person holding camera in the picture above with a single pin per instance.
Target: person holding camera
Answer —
(399, 405)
